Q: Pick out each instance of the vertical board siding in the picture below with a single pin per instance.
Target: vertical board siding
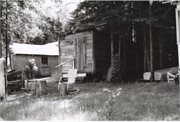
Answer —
(67, 53)
(78, 46)
(91, 51)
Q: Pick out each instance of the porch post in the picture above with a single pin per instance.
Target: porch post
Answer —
(2, 80)
(178, 30)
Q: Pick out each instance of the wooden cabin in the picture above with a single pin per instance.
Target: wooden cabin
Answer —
(90, 49)
(46, 56)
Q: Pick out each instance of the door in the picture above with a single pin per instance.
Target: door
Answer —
(81, 54)
(84, 54)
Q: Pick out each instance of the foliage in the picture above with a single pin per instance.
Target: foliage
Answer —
(19, 22)
(127, 18)
(99, 15)
(107, 112)
(27, 22)
(117, 67)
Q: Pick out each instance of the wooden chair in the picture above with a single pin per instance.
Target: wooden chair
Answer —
(72, 74)
(170, 77)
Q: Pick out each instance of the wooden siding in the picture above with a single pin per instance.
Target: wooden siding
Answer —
(67, 48)
(20, 61)
(78, 46)
(90, 49)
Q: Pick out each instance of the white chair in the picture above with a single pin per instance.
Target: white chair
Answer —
(72, 74)
(170, 77)
(146, 76)
(158, 76)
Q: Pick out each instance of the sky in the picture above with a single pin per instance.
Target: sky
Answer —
(70, 4)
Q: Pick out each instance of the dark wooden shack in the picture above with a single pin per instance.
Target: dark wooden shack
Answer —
(90, 49)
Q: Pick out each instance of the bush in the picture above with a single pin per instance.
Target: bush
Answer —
(117, 66)
(108, 111)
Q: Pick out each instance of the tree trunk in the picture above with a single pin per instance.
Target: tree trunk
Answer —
(165, 59)
(151, 46)
(161, 55)
(137, 61)
(0, 31)
(148, 56)
(112, 37)
(109, 74)
(145, 48)
(0, 47)
(59, 45)
(120, 76)
(10, 59)
(124, 60)
(7, 45)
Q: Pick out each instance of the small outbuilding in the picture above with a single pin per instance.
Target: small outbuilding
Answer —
(89, 49)
(46, 56)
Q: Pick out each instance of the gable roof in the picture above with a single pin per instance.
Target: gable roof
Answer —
(29, 49)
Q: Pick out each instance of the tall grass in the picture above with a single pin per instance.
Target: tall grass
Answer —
(137, 101)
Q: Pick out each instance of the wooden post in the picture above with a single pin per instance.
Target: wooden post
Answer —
(63, 89)
(59, 45)
(2, 80)
(7, 43)
(42, 87)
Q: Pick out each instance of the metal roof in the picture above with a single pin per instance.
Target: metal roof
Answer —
(29, 49)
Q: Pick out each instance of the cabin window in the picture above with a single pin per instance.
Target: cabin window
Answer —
(44, 60)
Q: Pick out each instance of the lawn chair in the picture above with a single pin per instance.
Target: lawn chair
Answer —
(170, 77)
(72, 74)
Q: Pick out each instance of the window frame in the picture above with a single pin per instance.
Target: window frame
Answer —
(44, 60)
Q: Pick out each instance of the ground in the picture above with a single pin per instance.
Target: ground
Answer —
(98, 101)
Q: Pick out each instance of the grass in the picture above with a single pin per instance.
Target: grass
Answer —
(137, 102)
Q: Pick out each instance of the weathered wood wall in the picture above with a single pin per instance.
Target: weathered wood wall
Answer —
(90, 49)
(20, 61)
(67, 53)
(80, 47)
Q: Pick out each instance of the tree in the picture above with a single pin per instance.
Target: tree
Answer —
(127, 17)
(26, 22)
(151, 46)
(107, 15)
(162, 17)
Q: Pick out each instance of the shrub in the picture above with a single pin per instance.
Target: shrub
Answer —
(107, 112)
(117, 66)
